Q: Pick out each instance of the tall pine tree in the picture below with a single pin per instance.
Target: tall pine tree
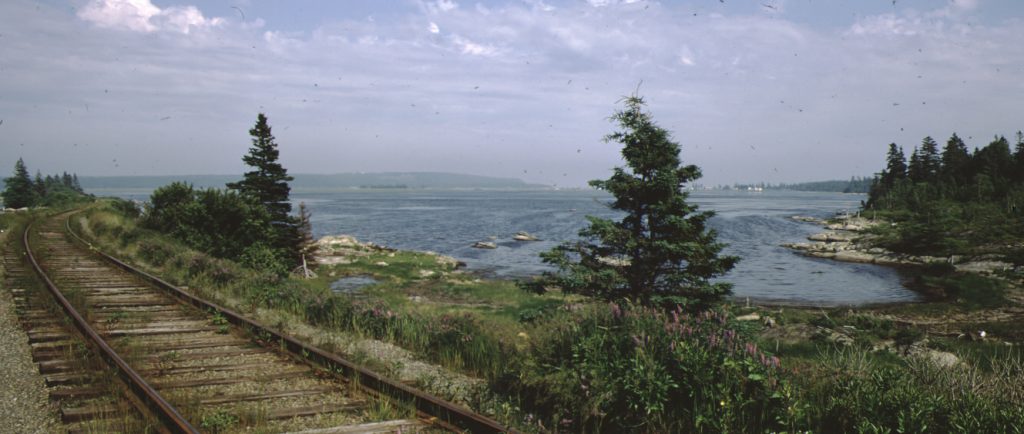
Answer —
(18, 191)
(955, 159)
(931, 162)
(661, 252)
(895, 166)
(268, 184)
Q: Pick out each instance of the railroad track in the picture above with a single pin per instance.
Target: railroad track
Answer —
(197, 367)
(79, 383)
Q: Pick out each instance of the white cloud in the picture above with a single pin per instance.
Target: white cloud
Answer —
(447, 5)
(144, 16)
(473, 48)
(128, 14)
(441, 6)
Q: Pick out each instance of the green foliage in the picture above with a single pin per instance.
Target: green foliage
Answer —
(661, 251)
(853, 392)
(219, 222)
(218, 421)
(18, 191)
(21, 191)
(622, 368)
(958, 203)
(260, 256)
(268, 185)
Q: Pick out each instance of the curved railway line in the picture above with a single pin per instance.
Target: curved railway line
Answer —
(191, 365)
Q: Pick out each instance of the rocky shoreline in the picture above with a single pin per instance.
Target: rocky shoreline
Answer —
(848, 238)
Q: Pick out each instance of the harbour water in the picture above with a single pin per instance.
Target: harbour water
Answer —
(753, 224)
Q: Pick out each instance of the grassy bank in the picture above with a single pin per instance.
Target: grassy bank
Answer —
(558, 363)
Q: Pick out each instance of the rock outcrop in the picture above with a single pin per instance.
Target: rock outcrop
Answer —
(849, 240)
(524, 236)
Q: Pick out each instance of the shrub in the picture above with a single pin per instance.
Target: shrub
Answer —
(630, 369)
(153, 252)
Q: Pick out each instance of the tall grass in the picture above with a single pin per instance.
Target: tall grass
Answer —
(854, 392)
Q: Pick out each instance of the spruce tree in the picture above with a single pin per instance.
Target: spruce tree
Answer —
(1018, 157)
(895, 167)
(955, 159)
(18, 190)
(267, 183)
(662, 251)
(931, 163)
(39, 186)
(915, 169)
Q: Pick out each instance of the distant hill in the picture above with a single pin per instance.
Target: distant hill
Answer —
(308, 182)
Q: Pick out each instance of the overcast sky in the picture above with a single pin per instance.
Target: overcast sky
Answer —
(770, 90)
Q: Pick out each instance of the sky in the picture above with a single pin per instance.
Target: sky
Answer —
(753, 91)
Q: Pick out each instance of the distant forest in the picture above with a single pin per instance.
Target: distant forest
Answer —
(853, 185)
(386, 180)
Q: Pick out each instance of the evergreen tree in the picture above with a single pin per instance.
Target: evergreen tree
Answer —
(661, 252)
(915, 169)
(1018, 157)
(995, 159)
(955, 159)
(39, 186)
(896, 166)
(268, 182)
(931, 162)
(18, 192)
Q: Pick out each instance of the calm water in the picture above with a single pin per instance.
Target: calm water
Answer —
(753, 224)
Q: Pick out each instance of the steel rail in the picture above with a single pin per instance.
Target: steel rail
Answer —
(168, 415)
(444, 413)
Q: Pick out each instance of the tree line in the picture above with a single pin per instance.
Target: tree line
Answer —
(21, 191)
(249, 221)
(954, 200)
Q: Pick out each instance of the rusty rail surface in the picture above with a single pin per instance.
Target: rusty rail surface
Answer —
(440, 411)
(168, 415)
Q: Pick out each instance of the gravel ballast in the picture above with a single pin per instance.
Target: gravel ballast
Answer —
(24, 403)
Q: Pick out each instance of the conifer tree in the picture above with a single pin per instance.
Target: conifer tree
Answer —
(267, 183)
(662, 251)
(955, 159)
(18, 190)
(39, 186)
(915, 169)
(895, 167)
(931, 162)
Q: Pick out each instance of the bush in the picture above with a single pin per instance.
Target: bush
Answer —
(153, 252)
(261, 257)
(631, 369)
